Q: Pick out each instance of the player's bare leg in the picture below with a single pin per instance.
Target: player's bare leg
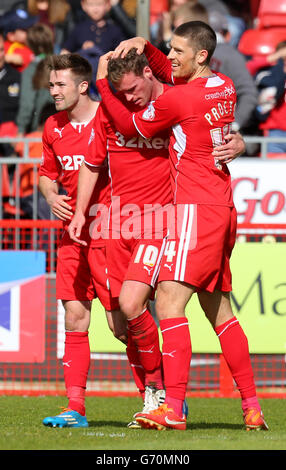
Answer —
(172, 298)
(76, 362)
(143, 348)
(234, 345)
(117, 324)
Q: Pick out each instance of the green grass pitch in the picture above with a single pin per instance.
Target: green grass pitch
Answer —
(213, 424)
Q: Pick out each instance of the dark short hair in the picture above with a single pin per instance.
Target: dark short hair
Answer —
(40, 39)
(199, 35)
(132, 62)
(79, 66)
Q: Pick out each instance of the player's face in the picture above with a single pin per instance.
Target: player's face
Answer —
(183, 58)
(64, 90)
(136, 89)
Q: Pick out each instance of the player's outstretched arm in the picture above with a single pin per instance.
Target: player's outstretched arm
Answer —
(233, 148)
(58, 202)
(87, 180)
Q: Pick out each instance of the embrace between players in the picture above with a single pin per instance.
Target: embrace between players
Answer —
(151, 157)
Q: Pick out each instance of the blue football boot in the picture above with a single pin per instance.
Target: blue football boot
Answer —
(185, 409)
(67, 419)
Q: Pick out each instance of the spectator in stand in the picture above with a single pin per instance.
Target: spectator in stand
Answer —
(28, 176)
(189, 12)
(120, 16)
(94, 35)
(34, 79)
(271, 110)
(129, 6)
(76, 11)
(10, 80)
(229, 61)
(162, 29)
(234, 13)
(181, 11)
(57, 15)
(15, 24)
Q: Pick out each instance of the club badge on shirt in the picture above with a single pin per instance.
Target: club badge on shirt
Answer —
(149, 114)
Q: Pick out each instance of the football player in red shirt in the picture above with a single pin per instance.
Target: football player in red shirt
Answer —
(134, 245)
(200, 113)
(81, 271)
(135, 178)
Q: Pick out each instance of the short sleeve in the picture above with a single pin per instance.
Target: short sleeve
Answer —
(97, 144)
(50, 165)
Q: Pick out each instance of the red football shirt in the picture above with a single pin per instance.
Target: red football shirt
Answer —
(200, 114)
(138, 168)
(64, 149)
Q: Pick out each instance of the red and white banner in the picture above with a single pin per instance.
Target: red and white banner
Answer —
(259, 190)
(22, 322)
(22, 306)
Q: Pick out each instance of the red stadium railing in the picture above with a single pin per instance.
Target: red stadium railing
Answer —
(110, 374)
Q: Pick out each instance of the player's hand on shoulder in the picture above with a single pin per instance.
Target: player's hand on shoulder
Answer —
(75, 228)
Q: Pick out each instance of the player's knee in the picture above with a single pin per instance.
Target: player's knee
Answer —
(162, 309)
(162, 303)
(77, 316)
(130, 307)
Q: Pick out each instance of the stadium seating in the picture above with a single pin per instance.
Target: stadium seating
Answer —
(6, 192)
(257, 42)
(271, 14)
(276, 156)
(157, 7)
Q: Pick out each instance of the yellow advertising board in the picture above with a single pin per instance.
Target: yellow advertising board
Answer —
(258, 301)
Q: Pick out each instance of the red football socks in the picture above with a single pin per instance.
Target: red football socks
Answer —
(234, 346)
(76, 362)
(144, 334)
(136, 368)
(177, 352)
